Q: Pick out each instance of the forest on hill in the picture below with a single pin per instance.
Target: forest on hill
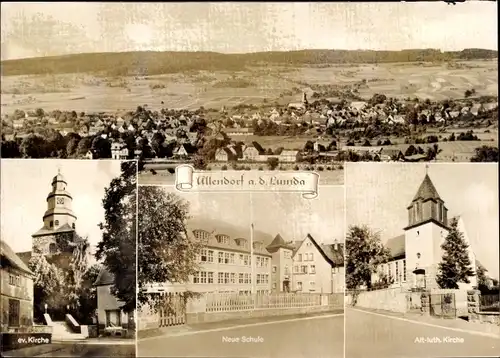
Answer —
(155, 63)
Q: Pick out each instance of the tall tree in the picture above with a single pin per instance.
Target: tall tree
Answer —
(117, 248)
(167, 252)
(364, 253)
(455, 266)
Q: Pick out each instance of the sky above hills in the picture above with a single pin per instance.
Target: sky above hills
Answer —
(49, 29)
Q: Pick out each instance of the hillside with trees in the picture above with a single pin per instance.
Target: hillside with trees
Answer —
(154, 63)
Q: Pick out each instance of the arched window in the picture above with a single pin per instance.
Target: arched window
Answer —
(52, 248)
(73, 225)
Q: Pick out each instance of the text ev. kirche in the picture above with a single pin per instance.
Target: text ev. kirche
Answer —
(207, 180)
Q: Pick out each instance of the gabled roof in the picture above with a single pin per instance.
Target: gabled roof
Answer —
(104, 278)
(277, 244)
(328, 257)
(9, 255)
(427, 190)
(335, 252)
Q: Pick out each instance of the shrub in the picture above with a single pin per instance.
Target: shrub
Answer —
(296, 167)
(260, 168)
(224, 167)
(320, 168)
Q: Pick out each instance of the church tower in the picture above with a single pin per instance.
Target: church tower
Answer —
(58, 218)
(427, 227)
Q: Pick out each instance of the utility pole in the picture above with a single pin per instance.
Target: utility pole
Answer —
(252, 277)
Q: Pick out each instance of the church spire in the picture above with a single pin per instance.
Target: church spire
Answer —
(427, 205)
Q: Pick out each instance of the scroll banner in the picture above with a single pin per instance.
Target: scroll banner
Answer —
(187, 179)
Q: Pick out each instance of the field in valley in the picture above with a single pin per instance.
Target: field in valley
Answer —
(190, 90)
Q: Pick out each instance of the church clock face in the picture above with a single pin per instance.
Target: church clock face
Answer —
(60, 201)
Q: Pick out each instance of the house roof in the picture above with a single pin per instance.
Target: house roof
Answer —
(104, 278)
(335, 253)
(9, 255)
(325, 251)
(427, 190)
(278, 243)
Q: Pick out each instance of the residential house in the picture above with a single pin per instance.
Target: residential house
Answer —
(16, 292)
(238, 131)
(226, 154)
(314, 267)
(109, 308)
(288, 156)
(184, 150)
(119, 151)
(251, 153)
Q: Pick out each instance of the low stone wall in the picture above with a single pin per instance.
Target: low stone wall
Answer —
(491, 318)
(390, 299)
(203, 317)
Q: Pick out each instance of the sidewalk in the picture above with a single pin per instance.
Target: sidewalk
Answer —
(173, 330)
(443, 322)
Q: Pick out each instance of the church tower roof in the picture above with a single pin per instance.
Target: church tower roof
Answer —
(427, 191)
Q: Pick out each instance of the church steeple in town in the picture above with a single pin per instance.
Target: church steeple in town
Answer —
(427, 205)
(59, 214)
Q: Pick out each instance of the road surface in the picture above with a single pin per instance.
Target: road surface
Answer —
(77, 350)
(321, 336)
(379, 336)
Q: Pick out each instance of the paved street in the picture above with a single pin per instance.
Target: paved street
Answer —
(321, 336)
(378, 336)
(76, 350)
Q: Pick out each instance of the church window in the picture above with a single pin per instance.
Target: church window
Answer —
(52, 248)
(51, 223)
(73, 225)
(56, 223)
(418, 233)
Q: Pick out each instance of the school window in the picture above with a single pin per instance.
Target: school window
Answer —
(226, 277)
(274, 286)
(196, 277)
(303, 269)
(210, 277)
(231, 259)
(311, 257)
(312, 284)
(313, 269)
(226, 258)
(287, 270)
(257, 263)
(296, 269)
(247, 260)
(299, 286)
(274, 268)
(266, 278)
(258, 279)
(204, 256)
(247, 278)
(221, 257)
(203, 278)
(242, 260)
(241, 278)
(233, 277)
(14, 280)
(221, 277)
(210, 257)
